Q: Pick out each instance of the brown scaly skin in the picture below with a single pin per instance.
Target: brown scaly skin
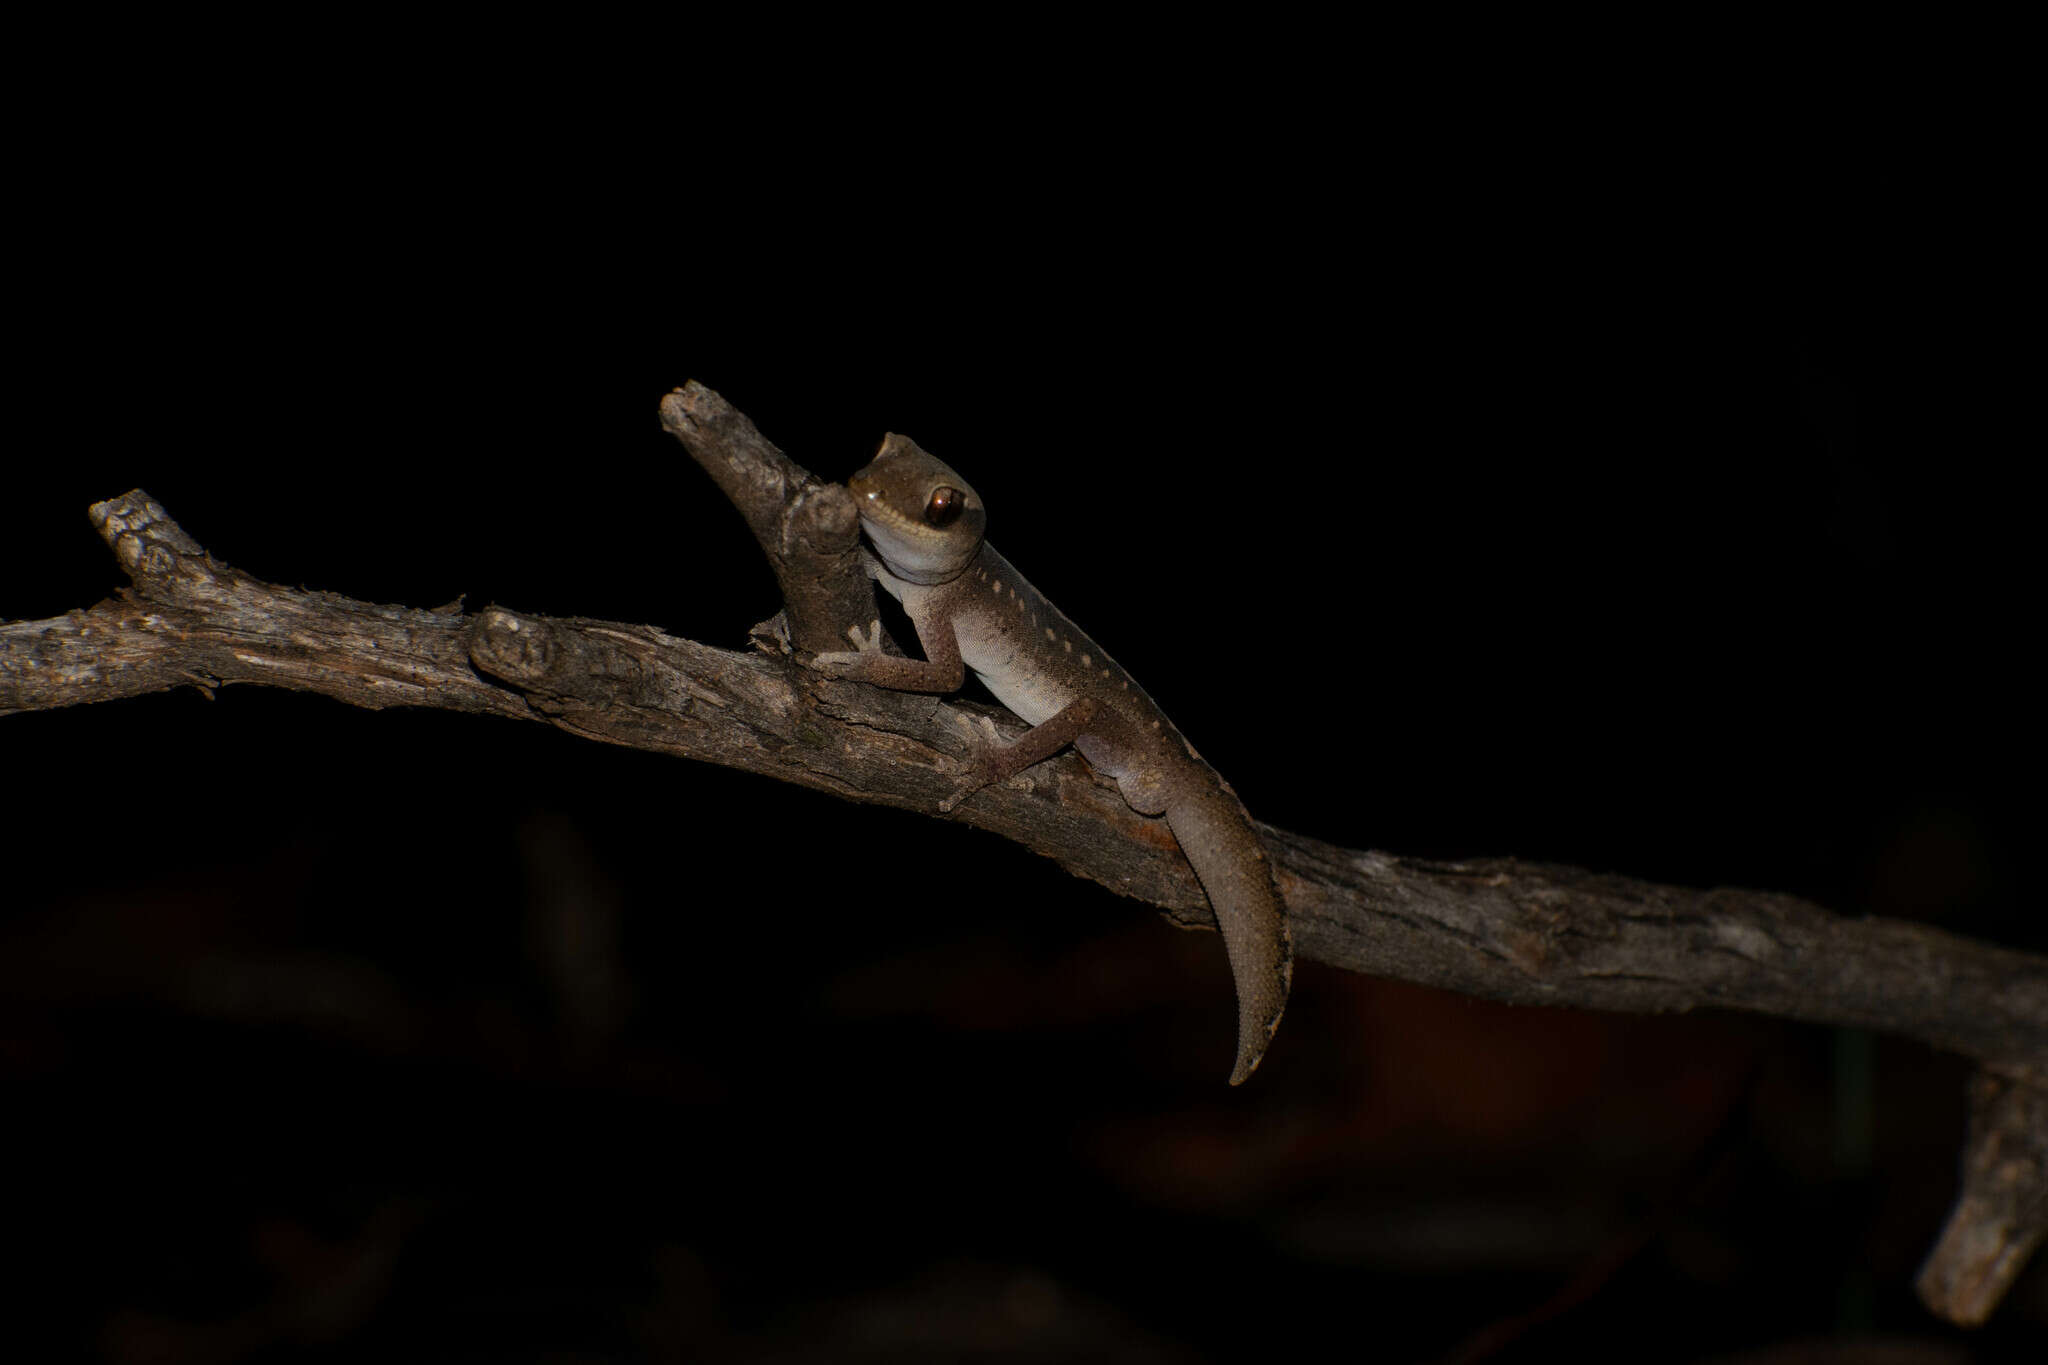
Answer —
(973, 611)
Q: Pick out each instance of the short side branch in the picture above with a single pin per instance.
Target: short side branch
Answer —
(2002, 1214)
(808, 528)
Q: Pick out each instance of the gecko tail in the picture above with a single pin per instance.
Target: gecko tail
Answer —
(1216, 833)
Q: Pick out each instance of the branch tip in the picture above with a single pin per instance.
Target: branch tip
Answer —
(2001, 1215)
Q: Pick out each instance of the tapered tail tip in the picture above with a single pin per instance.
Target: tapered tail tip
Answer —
(1255, 1036)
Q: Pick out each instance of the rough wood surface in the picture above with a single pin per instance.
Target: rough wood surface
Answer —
(1495, 928)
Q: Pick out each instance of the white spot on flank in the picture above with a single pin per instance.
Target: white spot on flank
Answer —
(1087, 662)
(1049, 635)
(1067, 645)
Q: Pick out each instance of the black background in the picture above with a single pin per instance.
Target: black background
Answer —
(1472, 482)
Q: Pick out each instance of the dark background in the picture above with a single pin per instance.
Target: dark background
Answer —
(1470, 483)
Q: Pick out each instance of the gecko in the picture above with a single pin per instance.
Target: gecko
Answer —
(972, 611)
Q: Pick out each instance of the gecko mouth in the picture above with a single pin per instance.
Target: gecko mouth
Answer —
(868, 501)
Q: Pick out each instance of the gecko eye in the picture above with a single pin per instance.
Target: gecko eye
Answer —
(945, 507)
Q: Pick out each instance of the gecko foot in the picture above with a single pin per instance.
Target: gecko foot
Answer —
(846, 663)
(982, 769)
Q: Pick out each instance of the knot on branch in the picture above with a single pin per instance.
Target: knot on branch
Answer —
(822, 520)
(516, 649)
(560, 667)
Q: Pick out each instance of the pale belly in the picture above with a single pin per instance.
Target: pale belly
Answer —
(1034, 699)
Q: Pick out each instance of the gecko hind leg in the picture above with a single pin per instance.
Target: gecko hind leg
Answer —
(983, 768)
(994, 761)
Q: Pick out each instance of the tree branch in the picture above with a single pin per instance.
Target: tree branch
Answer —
(1495, 928)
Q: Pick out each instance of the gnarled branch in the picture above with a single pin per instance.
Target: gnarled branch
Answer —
(1495, 928)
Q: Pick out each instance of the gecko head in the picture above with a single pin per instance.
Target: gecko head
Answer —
(922, 518)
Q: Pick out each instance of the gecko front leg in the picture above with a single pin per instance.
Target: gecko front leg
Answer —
(939, 671)
(942, 670)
